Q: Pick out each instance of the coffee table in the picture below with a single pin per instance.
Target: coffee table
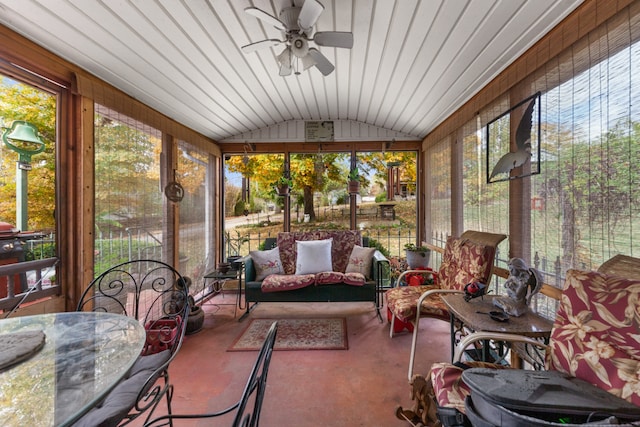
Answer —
(215, 282)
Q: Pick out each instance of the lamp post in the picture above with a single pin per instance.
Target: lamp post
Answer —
(22, 137)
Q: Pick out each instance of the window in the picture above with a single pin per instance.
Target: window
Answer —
(197, 238)
(438, 177)
(28, 186)
(129, 216)
(585, 204)
(385, 205)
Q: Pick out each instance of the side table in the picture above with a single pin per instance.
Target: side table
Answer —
(215, 283)
(473, 315)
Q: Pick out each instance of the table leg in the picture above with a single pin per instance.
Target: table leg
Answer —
(452, 321)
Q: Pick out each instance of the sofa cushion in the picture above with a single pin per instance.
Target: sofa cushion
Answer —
(329, 278)
(287, 282)
(354, 279)
(343, 241)
(266, 263)
(360, 261)
(313, 256)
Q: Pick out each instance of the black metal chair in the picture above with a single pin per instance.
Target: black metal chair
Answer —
(155, 294)
(245, 415)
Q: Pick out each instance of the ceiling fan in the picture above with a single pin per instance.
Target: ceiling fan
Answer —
(297, 25)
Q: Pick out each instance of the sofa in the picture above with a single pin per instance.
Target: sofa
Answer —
(315, 266)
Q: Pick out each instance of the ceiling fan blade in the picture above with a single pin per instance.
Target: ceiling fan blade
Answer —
(252, 47)
(309, 14)
(334, 38)
(322, 63)
(264, 16)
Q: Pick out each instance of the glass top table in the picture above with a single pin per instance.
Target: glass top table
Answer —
(84, 356)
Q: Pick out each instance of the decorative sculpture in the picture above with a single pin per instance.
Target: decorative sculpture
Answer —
(513, 159)
(522, 284)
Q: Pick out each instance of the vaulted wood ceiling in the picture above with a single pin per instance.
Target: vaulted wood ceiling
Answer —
(413, 62)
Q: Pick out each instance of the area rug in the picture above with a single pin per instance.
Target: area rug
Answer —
(296, 334)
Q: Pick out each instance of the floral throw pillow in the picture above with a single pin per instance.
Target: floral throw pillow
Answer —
(360, 261)
(266, 263)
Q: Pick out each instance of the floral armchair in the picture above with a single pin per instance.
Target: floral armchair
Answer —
(594, 338)
(466, 259)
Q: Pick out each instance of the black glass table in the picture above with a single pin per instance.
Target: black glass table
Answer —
(215, 283)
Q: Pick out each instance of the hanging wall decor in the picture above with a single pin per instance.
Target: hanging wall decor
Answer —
(504, 162)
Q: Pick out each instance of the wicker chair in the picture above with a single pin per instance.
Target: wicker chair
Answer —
(591, 339)
(466, 259)
(156, 295)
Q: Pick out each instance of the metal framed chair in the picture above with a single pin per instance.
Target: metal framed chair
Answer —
(466, 259)
(155, 294)
(245, 414)
(592, 339)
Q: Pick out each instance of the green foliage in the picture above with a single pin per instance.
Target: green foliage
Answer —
(234, 243)
(283, 181)
(381, 197)
(354, 174)
(414, 248)
(239, 207)
(373, 243)
(45, 250)
(110, 252)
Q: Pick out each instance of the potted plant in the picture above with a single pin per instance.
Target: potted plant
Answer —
(233, 246)
(353, 185)
(417, 256)
(283, 185)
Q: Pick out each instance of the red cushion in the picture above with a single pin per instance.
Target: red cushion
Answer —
(329, 278)
(286, 282)
(448, 387)
(595, 335)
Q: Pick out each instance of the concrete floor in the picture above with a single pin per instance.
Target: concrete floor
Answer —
(360, 386)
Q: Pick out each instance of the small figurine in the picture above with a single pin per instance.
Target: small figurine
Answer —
(522, 284)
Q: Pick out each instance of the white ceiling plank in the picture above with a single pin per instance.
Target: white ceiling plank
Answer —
(495, 52)
(343, 18)
(361, 31)
(445, 74)
(430, 54)
(179, 58)
(417, 30)
(390, 60)
(197, 48)
(377, 40)
(413, 62)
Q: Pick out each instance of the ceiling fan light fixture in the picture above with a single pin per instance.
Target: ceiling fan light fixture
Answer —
(299, 47)
(285, 59)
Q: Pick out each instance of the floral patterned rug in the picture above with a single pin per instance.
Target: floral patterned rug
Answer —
(296, 334)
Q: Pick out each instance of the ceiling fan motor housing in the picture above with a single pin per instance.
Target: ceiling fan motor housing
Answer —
(289, 17)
